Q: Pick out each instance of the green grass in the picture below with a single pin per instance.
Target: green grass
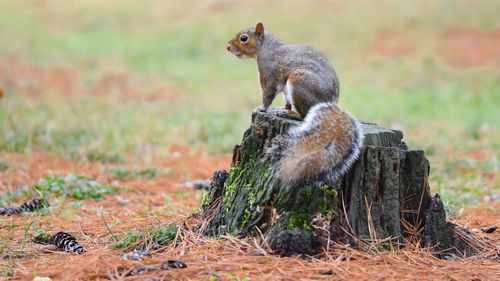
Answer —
(72, 186)
(111, 126)
(103, 157)
(151, 238)
(122, 173)
(181, 45)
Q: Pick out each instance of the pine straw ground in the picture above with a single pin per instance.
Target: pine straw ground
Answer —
(227, 258)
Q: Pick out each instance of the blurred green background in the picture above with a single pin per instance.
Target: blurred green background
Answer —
(131, 78)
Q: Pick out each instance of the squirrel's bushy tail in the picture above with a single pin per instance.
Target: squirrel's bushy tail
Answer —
(325, 145)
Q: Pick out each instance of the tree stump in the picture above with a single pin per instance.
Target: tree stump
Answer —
(384, 195)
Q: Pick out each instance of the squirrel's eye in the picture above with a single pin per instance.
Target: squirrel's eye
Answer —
(244, 38)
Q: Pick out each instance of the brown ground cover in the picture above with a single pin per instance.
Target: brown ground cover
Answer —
(458, 47)
(391, 44)
(471, 47)
(227, 258)
(33, 81)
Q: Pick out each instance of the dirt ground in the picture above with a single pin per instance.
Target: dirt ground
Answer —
(227, 258)
(33, 81)
(460, 48)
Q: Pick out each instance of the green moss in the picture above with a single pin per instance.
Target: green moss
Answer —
(230, 185)
(251, 198)
(386, 246)
(205, 199)
(322, 205)
(331, 213)
(329, 192)
(328, 201)
(254, 191)
(309, 197)
(243, 192)
(298, 220)
(246, 218)
(266, 172)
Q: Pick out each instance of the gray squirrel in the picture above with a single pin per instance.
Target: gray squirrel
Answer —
(328, 142)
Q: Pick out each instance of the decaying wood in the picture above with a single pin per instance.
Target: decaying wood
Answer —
(385, 195)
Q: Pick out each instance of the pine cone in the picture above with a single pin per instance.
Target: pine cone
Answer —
(9, 211)
(66, 242)
(28, 206)
(32, 205)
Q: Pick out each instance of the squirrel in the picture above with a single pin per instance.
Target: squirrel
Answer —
(328, 142)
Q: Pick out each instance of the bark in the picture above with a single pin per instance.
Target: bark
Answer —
(446, 238)
(384, 195)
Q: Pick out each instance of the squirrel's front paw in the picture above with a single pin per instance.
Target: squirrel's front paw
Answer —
(260, 109)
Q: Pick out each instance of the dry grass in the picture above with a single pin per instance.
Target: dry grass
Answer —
(227, 258)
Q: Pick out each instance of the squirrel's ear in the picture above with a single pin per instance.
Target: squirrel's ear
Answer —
(259, 28)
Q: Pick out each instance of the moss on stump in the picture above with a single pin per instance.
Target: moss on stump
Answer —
(384, 193)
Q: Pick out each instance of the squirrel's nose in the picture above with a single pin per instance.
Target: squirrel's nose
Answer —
(228, 47)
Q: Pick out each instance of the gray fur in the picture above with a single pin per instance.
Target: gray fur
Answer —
(311, 88)
(277, 59)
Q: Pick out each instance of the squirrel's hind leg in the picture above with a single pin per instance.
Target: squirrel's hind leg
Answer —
(288, 111)
(304, 90)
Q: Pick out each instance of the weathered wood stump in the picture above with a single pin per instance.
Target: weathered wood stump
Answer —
(384, 195)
